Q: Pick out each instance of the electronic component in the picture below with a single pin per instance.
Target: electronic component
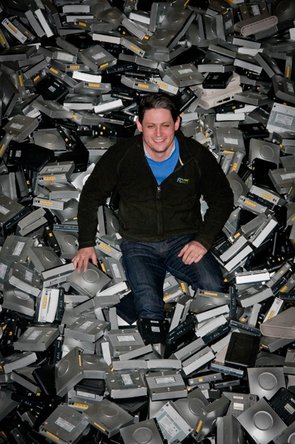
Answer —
(69, 371)
(122, 341)
(207, 300)
(265, 381)
(37, 338)
(172, 424)
(209, 98)
(281, 325)
(165, 385)
(88, 282)
(124, 384)
(134, 433)
(87, 329)
(63, 425)
(262, 422)
(208, 417)
(108, 417)
(242, 350)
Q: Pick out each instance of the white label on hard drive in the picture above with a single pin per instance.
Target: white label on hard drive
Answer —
(3, 210)
(85, 394)
(287, 176)
(86, 325)
(168, 425)
(239, 406)
(66, 425)
(166, 380)
(185, 71)
(3, 269)
(125, 338)
(28, 276)
(18, 249)
(166, 285)
(116, 270)
(17, 126)
(127, 380)
(255, 10)
(231, 141)
(34, 335)
(283, 119)
(290, 409)
(99, 55)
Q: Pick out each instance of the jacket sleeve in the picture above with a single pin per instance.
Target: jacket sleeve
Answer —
(96, 190)
(218, 195)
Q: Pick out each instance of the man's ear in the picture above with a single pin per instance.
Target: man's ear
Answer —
(138, 124)
(177, 123)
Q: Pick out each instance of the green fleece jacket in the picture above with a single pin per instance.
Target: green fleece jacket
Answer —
(148, 212)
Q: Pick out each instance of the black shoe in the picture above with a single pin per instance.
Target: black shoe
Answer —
(152, 331)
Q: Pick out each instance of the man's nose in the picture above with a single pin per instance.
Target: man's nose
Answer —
(158, 130)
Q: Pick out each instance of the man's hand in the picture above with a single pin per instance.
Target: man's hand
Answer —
(192, 252)
(83, 256)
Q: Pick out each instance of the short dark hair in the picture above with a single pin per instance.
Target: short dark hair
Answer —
(157, 100)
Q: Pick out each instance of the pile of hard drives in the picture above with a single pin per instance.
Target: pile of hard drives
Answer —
(74, 366)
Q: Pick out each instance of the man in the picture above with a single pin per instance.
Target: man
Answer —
(160, 176)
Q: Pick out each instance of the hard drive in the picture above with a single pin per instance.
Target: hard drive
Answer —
(173, 426)
(281, 325)
(36, 338)
(43, 258)
(142, 431)
(69, 371)
(265, 381)
(217, 80)
(25, 377)
(87, 329)
(125, 384)
(238, 186)
(165, 385)
(242, 350)
(94, 367)
(6, 403)
(283, 403)
(240, 402)
(261, 422)
(64, 425)
(191, 407)
(205, 300)
(208, 417)
(10, 213)
(287, 436)
(17, 300)
(88, 282)
(124, 340)
(108, 417)
(25, 279)
(183, 75)
(229, 431)
(264, 150)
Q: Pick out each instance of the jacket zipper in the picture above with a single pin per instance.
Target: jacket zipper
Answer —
(159, 210)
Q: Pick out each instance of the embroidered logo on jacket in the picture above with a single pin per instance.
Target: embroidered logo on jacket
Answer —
(182, 180)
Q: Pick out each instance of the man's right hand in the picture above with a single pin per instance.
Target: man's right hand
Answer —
(83, 256)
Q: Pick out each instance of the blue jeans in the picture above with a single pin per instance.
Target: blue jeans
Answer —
(146, 264)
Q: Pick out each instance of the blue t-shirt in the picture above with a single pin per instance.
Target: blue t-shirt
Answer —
(162, 169)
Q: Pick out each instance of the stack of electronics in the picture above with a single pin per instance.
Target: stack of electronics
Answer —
(75, 366)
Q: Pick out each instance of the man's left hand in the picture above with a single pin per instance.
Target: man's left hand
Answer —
(192, 252)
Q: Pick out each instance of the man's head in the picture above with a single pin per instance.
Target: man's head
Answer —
(158, 120)
(157, 100)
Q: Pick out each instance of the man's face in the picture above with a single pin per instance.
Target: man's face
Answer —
(158, 129)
